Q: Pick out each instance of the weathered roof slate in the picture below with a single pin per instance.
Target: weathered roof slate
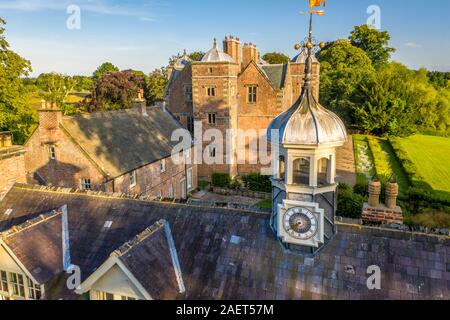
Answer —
(38, 245)
(254, 265)
(121, 141)
(276, 74)
(148, 258)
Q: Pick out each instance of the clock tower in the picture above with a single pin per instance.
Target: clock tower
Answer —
(304, 140)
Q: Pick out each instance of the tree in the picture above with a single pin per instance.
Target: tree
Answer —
(196, 55)
(396, 101)
(276, 58)
(156, 85)
(105, 68)
(114, 91)
(54, 88)
(343, 67)
(373, 42)
(15, 116)
(439, 79)
(83, 83)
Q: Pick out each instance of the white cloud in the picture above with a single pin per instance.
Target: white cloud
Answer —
(412, 45)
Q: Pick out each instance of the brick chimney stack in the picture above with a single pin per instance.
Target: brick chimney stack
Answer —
(140, 103)
(374, 193)
(50, 117)
(250, 53)
(233, 47)
(5, 139)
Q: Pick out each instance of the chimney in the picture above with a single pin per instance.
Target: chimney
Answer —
(5, 139)
(65, 238)
(374, 193)
(232, 46)
(250, 53)
(140, 103)
(391, 194)
(50, 117)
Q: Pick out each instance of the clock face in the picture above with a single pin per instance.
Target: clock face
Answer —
(300, 223)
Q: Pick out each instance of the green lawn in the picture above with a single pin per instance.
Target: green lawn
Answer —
(431, 156)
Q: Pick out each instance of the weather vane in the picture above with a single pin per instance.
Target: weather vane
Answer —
(309, 43)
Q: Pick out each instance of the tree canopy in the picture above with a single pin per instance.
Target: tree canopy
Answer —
(105, 68)
(276, 58)
(196, 55)
(156, 85)
(15, 116)
(373, 42)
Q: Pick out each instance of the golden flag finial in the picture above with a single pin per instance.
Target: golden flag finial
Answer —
(317, 3)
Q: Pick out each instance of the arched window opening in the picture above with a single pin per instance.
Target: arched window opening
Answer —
(301, 171)
(282, 167)
(322, 171)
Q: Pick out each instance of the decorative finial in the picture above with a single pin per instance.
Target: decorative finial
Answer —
(215, 42)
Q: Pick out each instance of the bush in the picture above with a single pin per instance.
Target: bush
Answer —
(257, 182)
(349, 204)
(361, 188)
(221, 180)
(202, 184)
(235, 184)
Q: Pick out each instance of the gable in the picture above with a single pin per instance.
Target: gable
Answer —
(7, 263)
(115, 281)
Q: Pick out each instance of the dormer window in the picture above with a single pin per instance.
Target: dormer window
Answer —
(133, 179)
(188, 93)
(85, 184)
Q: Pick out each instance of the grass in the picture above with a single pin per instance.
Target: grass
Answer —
(431, 157)
(361, 140)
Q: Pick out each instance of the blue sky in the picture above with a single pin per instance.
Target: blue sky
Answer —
(143, 34)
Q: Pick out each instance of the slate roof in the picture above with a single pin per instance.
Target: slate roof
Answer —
(149, 259)
(37, 243)
(121, 141)
(231, 254)
(276, 74)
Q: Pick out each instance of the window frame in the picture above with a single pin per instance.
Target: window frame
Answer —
(212, 118)
(85, 184)
(17, 287)
(52, 152)
(162, 166)
(212, 151)
(188, 96)
(189, 176)
(211, 91)
(133, 179)
(252, 94)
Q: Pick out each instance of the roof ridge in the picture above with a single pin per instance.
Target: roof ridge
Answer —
(149, 231)
(29, 224)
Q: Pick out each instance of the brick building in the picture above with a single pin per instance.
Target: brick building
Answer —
(12, 163)
(127, 151)
(234, 90)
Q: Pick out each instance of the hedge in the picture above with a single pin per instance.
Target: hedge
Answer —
(257, 182)
(221, 180)
(349, 204)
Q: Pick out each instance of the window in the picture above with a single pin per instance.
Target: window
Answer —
(212, 152)
(17, 284)
(211, 118)
(163, 165)
(105, 296)
(170, 192)
(85, 184)
(189, 179)
(188, 93)
(133, 179)
(252, 94)
(4, 282)
(34, 290)
(211, 91)
(190, 123)
(301, 171)
(210, 70)
(52, 152)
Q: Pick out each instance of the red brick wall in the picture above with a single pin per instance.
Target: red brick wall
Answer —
(176, 99)
(12, 169)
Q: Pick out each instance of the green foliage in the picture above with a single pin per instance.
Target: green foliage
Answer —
(15, 116)
(156, 84)
(220, 180)
(202, 184)
(196, 55)
(235, 184)
(343, 67)
(83, 83)
(430, 218)
(276, 58)
(349, 204)
(265, 204)
(362, 188)
(373, 42)
(439, 79)
(104, 69)
(257, 182)
(54, 88)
